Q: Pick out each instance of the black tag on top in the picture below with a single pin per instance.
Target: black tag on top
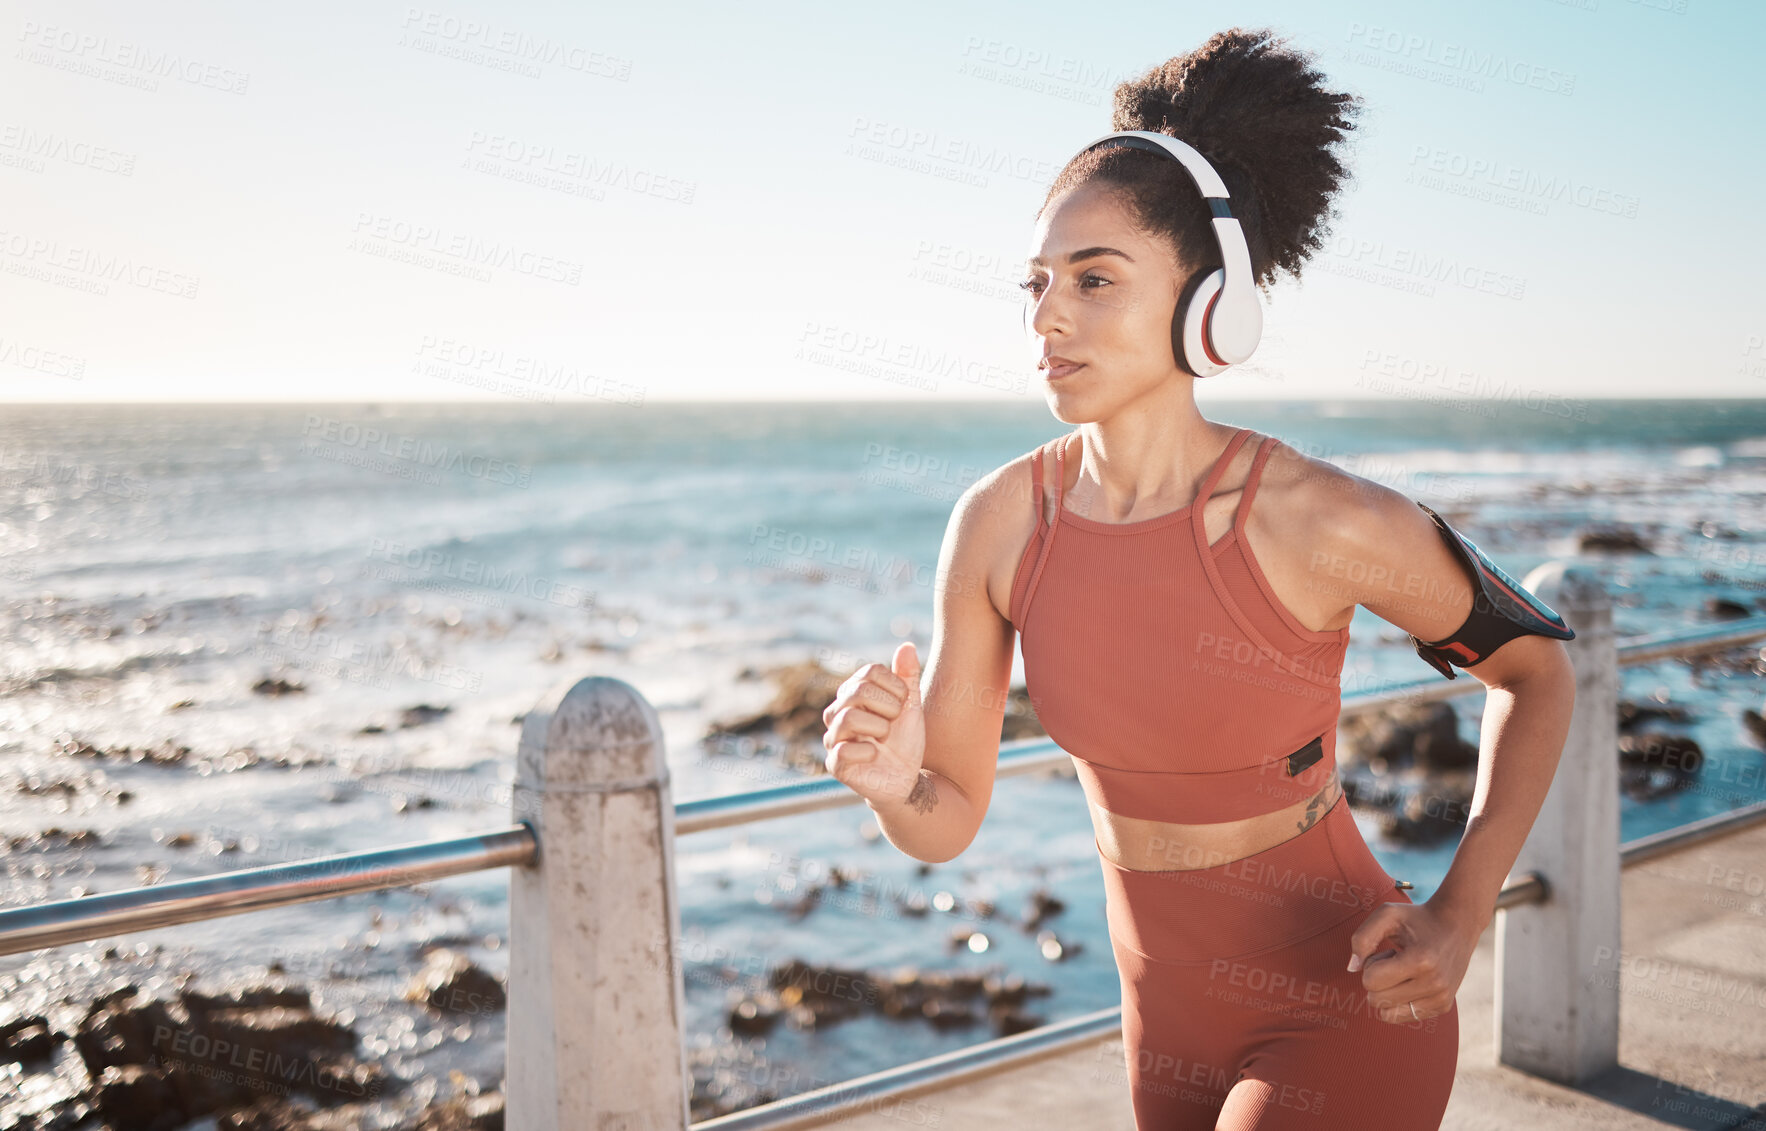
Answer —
(1305, 756)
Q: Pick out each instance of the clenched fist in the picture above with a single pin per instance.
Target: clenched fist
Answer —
(876, 735)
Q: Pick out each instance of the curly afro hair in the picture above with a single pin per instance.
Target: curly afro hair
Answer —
(1257, 110)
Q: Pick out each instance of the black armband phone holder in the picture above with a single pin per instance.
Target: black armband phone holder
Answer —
(1501, 610)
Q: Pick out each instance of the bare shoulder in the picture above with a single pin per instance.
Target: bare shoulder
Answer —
(991, 525)
(1357, 541)
(1318, 496)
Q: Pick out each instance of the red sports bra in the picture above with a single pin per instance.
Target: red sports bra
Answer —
(1167, 668)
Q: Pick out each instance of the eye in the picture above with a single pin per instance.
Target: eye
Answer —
(1034, 286)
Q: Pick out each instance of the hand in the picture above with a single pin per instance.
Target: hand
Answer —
(1425, 969)
(876, 735)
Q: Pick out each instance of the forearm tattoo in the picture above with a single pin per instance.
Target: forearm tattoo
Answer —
(925, 794)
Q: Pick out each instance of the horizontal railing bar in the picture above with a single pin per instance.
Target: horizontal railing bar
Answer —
(1023, 756)
(1689, 641)
(254, 889)
(1693, 832)
(982, 1059)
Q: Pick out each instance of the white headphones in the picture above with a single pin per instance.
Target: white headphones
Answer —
(1218, 320)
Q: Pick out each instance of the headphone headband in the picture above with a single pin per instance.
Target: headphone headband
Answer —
(1228, 320)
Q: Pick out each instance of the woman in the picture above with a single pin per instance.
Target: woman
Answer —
(1185, 646)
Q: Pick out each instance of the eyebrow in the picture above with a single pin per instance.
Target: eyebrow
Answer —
(1082, 253)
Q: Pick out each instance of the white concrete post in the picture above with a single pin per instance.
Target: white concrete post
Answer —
(1557, 961)
(595, 1015)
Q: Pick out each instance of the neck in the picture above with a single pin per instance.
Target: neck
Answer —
(1145, 461)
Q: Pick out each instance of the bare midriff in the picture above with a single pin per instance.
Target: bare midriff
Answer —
(1162, 846)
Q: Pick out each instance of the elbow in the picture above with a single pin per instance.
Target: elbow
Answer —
(1543, 669)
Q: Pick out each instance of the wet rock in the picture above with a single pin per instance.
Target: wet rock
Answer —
(914, 904)
(294, 1114)
(137, 1097)
(807, 902)
(1368, 791)
(37, 786)
(1653, 765)
(802, 691)
(280, 996)
(163, 753)
(1632, 712)
(1755, 723)
(811, 996)
(119, 1029)
(818, 995)
(1614, 537)
(482, 1112)
(1722, 608)
(756, 1015)
(947, 1014)
(199, 1054)
(1424, 816)
(1424, 736)
(946, 998)
(53, 838)
(1020, 719)
(421, 714)
(1010, 1022)
(1041, 904)
(451, 982)
(26, 1041)
(276, 687)
(735, 1075)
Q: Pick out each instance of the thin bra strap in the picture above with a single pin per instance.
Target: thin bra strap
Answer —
(1252, 479)
(1208, 484)
(1048, 538)
(1214, 473)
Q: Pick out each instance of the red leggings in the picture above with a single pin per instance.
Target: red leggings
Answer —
(1238, 1010)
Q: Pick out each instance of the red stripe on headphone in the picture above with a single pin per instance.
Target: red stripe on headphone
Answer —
(1207, 318)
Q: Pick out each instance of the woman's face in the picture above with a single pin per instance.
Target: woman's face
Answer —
(1100, 293)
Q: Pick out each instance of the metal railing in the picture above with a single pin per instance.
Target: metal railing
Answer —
(593, 886)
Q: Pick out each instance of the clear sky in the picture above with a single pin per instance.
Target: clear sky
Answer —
(645, 202)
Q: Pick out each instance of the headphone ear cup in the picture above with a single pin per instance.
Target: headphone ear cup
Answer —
(1189, 323)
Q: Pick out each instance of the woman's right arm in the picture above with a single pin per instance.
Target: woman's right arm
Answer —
(933, 767)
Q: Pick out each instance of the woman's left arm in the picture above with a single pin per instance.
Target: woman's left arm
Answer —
(1375, 547)
(1532, 690)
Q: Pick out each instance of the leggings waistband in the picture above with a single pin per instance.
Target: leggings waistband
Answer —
(1271, 898)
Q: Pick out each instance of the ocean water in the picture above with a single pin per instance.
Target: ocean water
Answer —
(158, 562)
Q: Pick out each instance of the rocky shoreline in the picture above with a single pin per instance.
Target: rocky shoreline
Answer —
(256, 1057)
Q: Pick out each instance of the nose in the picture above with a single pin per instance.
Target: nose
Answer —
(1044, 314)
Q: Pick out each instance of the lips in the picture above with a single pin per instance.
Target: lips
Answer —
(1058, 367)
